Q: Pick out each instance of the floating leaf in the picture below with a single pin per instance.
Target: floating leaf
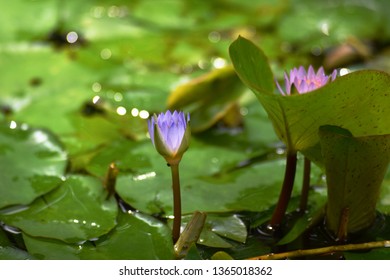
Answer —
(253, 188)
(136, 237)
(358, 101)
(219, 229)
(74, 212)
(32, 162)
(11, 253)
(355, 168)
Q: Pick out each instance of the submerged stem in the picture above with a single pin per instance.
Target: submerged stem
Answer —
(285, 194)
(176, 202)
(305, 186)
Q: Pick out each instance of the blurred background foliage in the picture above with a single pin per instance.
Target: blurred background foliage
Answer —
(79, 79)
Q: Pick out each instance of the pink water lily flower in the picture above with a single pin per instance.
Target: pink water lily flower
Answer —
(170, 134)
(305, 81)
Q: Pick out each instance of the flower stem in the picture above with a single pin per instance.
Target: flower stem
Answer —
(324, 250)
(285, 194)
(305, 186)
(176, 202)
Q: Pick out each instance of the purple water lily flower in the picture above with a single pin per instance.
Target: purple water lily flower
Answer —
(305, 81)
(170, 134)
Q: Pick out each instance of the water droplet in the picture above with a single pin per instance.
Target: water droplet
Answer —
(344, 71)
(144, 176)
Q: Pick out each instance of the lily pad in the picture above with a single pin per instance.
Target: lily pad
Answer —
(136, 237)
(218, 230)
(205, 186)
(32, 163)
(74, 212)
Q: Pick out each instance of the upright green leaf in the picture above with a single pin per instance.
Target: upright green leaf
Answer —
(355, 168)
(358, 101)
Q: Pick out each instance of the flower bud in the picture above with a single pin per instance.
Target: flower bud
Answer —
(170, 134)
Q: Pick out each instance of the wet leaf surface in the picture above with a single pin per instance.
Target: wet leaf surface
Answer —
(76, 211)
(135, 237)
(80, 78)
(32, 162)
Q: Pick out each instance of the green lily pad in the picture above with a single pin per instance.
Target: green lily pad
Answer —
(219, 229)
(319, 26)
(296, 118)
(76, 211)
(136, 237)
(32, 163)
(205, 184)
(355, 168)
(11, 253)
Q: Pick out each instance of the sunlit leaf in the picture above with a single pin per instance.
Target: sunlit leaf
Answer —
(76, 211)
(229, 227)
(135, 237)
(355, 168)
(296, 118)
(11, 253)
(32, 162)
(205, 182)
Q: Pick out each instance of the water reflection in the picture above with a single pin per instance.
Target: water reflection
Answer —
(72, 37)
(12, 125)
(214, 37)
(96, 87)
(106, 54)
(118, 97)
(144, 176)
(121, 111)
(143, 114)
(344, 71)
(218, 62)
(83, 222)
(134, 112)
